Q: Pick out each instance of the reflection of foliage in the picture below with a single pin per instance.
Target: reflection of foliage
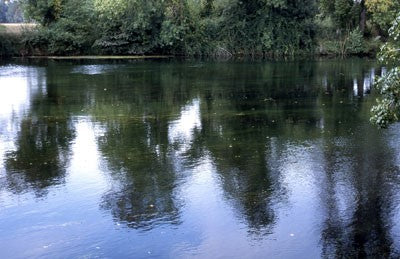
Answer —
(242, 106)
(143, 193)
(358, 226)
(135, 143)
(43, 142)
(240, 122)
(40, 157)
(246, 180)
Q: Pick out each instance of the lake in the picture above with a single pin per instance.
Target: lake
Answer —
(195, 159)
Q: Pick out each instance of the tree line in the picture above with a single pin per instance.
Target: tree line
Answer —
(207, 27)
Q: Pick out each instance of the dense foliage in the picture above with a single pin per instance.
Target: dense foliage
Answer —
(387, 109)
(179, 27)
(207, 27)
(71, 32)
(260, 26)
(383, 13)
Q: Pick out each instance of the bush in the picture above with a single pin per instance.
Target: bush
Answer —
(73, 33)
(354, 43)
(10, 44)
(130, 27)
(6, 46)
(349, 43)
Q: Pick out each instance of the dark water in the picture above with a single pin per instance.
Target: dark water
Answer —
(167, 159)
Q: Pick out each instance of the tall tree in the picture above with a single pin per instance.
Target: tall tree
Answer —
(347, 14)
(266, 26)
(43, 11)
(383, 12)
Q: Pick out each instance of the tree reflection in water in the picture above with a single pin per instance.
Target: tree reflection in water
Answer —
(264, 129)
(42, 144)
(143, 177)
(359, 198)
(41, 156)
(139, 150)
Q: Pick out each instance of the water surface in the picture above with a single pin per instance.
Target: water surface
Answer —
(195, 159)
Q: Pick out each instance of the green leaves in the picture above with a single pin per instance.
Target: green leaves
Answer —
(44, 12)
(267, 27)
(387, 109)
(383, 12)
(180, 27)
(73, 32)
(129, 27)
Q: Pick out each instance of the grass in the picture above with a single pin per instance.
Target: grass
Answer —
(16, 28)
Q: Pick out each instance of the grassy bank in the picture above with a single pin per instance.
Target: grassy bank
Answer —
(13, 38)
(32, 41)
(16, 28)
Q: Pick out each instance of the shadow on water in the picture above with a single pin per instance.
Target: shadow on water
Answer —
(279, 135)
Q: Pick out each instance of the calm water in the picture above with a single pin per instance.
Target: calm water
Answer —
(168, 159)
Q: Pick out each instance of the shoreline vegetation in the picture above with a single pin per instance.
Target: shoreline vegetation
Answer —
(15, 37)
(197, 28)
(99, 57)
(14, 42)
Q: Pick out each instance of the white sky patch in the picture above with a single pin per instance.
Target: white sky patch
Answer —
(14, 94)
(84, 170)
(14, 100)
(368, 82)
(355, 87)
(181, 130)
(85, 154)
(94, 69)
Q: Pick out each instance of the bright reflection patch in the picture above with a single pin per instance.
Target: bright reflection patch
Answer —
(14, 98)
(84, 153)
(181, 130)
(13, 94)
(94, 69)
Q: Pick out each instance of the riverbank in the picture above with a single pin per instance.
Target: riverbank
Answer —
(16, 28)
(99, 57)
(30, 41)
(13, 38)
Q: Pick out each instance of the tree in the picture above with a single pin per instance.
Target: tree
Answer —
(266, 26)
(383, 12)
(387, 109)
(129, 27)
(44, 12)
(207, 7)
(347, 14)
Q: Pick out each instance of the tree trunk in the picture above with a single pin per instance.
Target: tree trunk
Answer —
(363, 17)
